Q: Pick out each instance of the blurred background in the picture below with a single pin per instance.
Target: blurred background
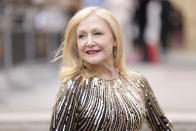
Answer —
(159, 37)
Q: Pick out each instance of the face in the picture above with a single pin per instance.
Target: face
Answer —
(95, 41)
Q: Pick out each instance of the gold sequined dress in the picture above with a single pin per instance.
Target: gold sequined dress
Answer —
(93, 104)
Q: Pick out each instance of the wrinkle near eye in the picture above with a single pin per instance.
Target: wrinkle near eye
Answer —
(81, 35)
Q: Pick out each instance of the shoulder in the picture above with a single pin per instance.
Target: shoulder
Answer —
(71, 81)
(135, 75)
(139, 79)
(69, 86)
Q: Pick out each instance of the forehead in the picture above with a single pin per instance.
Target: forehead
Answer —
(91, 22)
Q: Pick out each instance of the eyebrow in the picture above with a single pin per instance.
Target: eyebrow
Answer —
(94, 29)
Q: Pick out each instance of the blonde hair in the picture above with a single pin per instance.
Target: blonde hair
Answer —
(68, 51)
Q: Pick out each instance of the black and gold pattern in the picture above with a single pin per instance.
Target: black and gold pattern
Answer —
(118, 105)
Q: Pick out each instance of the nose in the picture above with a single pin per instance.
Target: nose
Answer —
(90, 41)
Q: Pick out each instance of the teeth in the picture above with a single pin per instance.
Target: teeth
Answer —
(92, 51)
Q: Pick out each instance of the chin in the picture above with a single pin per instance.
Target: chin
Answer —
(94, 61)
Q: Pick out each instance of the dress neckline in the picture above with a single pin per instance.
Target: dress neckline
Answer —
(112, 80)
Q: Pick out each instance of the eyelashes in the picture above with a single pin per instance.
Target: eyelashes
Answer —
(98, 33)
(80, 36)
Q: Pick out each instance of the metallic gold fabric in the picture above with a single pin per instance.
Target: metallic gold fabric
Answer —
(118, 105)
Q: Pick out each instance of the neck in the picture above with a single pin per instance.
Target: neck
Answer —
(108, 72)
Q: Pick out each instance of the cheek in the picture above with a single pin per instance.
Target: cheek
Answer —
(80, 47)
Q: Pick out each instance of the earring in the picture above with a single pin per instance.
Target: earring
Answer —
(114, 51)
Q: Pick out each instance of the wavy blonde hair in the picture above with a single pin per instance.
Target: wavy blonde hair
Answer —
(68, 51)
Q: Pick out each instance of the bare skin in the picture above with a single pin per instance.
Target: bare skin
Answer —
(95, 44)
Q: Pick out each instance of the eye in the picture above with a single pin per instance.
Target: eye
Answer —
(98, 33)
(80, 36)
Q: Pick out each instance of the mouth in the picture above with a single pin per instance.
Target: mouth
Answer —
(92, 52)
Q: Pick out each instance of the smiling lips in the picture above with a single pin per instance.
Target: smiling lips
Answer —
(92, 52)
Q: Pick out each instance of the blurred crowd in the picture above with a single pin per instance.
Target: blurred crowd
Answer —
(34, 29)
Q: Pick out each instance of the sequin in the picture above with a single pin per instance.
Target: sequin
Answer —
(96, 104)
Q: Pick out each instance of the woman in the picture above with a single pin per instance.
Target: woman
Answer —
(98, 92)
